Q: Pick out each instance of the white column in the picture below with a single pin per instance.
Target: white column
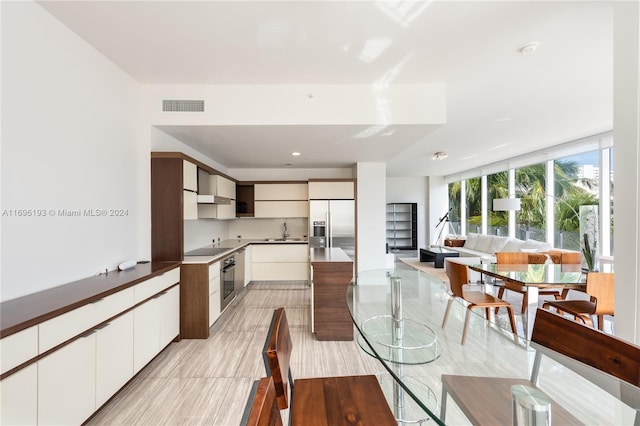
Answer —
(605, 202)
(626, 124)
(371, 215)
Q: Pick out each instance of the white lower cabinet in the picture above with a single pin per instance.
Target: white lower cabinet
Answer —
(169, 307)
(67, 383)
(19, 397)
(273, 262)
(155, 323)
(114, 357)
(214, 292)
(146, 333)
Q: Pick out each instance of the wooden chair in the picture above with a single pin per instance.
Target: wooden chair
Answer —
(522, 258)
(568, 258)
(262, 406)
(324, 400)
(458, 277)
(600, 290)
(608, 362)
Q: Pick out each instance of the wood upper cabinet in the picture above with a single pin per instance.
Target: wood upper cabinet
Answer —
(224, 187)
(332, 190)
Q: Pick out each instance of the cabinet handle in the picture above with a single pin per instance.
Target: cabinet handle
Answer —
(97, 301)
(103, 326)
(88, 333)
(160, 295)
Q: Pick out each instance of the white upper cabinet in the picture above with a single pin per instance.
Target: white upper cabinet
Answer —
(189, 176)
(281, 191)
(224, 187)
(332, 190)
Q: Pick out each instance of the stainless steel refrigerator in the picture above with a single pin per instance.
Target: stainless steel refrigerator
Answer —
(332, 224)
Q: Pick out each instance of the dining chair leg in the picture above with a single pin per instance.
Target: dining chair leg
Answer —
(512, 321)
(467, 317)
(600, 322)
(446, 312)
(487, 313)
(525, 303)
(499, 296)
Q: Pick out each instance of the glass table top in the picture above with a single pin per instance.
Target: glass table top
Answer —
(408, 340)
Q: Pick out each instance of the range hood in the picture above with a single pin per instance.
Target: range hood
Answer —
(213, 199)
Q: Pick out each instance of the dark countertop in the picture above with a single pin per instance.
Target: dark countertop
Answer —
(26, 311)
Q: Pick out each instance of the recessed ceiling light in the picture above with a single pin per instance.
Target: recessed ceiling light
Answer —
(528, 48)
(296, 154)
(440, 155)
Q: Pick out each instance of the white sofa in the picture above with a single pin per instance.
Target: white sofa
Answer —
(486, 246)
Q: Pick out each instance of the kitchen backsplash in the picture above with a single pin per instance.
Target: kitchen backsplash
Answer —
(199, 233)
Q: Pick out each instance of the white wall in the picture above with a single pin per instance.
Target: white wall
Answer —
(290, 174)
(411, 190)
(70, 140)
(371, 216)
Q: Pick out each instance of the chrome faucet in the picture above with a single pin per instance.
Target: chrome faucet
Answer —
(285, 233)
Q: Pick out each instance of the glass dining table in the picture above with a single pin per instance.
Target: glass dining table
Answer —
(398, 314)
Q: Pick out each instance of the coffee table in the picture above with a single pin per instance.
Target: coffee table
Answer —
(436, 255)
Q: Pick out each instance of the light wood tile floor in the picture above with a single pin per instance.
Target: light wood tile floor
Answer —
(195, 382)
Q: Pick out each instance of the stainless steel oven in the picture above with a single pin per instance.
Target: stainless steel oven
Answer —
(227, 280)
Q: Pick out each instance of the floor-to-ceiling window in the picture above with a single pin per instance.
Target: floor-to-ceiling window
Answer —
(576, 184)
(497, 187)
(474, 205)
(454, 208)
(531, 189)
(577, 176)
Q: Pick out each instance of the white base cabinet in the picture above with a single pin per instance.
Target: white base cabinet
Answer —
(91, 352)
(67, 383)
(286, 262)
(19, 397)
(114, 357)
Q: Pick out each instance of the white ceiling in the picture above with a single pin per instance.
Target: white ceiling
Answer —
(500, 103)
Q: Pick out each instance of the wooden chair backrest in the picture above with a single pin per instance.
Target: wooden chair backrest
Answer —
(605, 360)
(262, 407)
(600, 288)
(277, 356)
(571, 258)
(512, 257)
(458, 276)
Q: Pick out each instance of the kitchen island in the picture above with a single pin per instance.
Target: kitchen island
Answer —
(331, 274)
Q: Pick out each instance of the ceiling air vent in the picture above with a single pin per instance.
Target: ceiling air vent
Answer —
(182, 105)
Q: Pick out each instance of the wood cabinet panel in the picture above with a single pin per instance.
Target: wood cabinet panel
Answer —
(332, 320)
(19, 397)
